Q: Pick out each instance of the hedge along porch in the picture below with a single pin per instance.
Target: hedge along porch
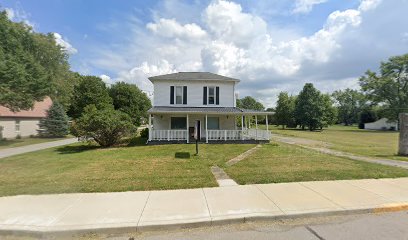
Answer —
(215, 124)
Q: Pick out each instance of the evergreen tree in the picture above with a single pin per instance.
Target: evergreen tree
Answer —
(56, 122)
(309, 109)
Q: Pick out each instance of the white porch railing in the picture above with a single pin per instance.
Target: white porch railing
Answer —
(217, 135)
(257, 134)
(169, 135)
(224, 135)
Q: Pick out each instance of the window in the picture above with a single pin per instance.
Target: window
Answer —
(17, 126)
(179, 95)
(211, 95)
(213, 123)
(178, 123)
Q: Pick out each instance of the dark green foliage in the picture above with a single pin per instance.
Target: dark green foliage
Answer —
(349, 105)
(250, 103)
(129, 99)
(90, 90)
(106, 126)
(390, 87)
(367, 116)
(144, 133)
(313, 109)
(56, 122)
(32, 66)
(285, 108)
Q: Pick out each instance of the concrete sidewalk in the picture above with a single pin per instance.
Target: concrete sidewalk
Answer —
(35, 147)
(139, 211)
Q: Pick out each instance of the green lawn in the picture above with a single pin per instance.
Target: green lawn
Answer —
(81, 168)
(287, 163)
(381, 144)
(84, 168)
(10, 143)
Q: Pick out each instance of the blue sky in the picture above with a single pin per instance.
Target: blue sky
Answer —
(271, 46)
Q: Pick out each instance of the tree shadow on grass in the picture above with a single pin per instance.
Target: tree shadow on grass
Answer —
(183, 155)
(70, 149)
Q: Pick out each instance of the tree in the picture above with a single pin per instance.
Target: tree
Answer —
(56, 122)
(329, 116)
(106, 126)
(129, 99)
(90, 90)
(367, 115)
(285, 107)
(390, 87)
(309, 109)
(349, 103)
(250, 103)
(32, 66)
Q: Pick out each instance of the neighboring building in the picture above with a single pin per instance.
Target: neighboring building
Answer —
(184, 99)
(23, 123)
(382, 124)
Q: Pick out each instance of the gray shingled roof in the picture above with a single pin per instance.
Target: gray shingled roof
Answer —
(212, 110)
(193, 76)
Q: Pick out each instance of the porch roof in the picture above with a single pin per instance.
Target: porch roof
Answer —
(206, 110)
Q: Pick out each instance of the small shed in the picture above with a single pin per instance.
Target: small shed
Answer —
(382, 124)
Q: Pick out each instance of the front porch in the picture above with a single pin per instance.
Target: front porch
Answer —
(226, 125)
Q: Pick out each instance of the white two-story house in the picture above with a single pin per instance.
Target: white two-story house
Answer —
(184, 99)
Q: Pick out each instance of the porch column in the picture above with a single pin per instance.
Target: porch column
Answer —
(188, 131)
(249, 121)
(267, 128)
(150, 127)
(256, 127)
(206, 130)
(242, 127)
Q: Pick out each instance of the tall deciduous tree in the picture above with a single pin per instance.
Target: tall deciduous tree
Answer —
(250, 103)
(389, 87)
(310, 108)
(285, 107)
(32, 66)
(349, 104)
(129, 99)
(90, 90)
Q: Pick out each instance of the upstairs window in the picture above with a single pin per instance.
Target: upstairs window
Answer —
(178, 94)
(211, 96)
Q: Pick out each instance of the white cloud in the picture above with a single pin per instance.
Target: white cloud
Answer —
(64, 44)
(305, 6)
(170, 28)
(367, 5)
(10, 13)
(240, 44)
(106, 79)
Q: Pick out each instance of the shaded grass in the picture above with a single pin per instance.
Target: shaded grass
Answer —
(87, 168)
(380, 144)
(274, 163)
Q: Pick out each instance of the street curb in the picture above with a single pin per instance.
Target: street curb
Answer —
(133, 228)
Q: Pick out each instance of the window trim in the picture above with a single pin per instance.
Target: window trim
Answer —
(17, 126)
(181, 96)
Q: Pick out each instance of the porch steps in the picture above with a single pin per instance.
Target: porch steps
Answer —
(222, 178)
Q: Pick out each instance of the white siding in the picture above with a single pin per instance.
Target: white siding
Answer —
(194, 93)
(27, 127)
(162, 121)
(381, 124)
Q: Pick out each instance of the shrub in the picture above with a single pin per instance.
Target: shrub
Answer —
(106, 126)
(144, 133)
(18, 136)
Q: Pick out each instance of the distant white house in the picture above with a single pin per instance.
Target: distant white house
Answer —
(382, 124)
(187, 99)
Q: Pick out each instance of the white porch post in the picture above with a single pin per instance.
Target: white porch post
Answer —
(256, 127)
(249, 121)
(188, 131)
(267, 127)
(242, 127)
(206, 130)
(150, 127)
